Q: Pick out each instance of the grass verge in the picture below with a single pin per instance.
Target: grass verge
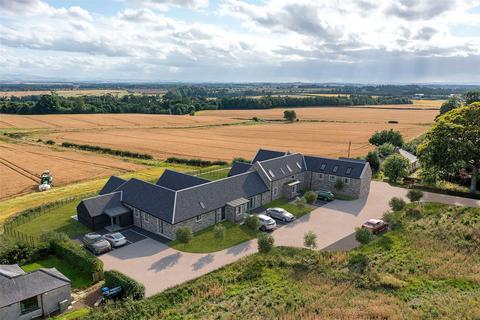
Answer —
(75, 314)
(290, 207)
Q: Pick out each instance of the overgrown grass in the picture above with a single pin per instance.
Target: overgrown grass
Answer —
(204, 240)
(290, 207)
(215, 174)
(428, 268)
(79, 280)
(75, 314)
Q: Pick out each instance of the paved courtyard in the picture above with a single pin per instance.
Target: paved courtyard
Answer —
(159, 267)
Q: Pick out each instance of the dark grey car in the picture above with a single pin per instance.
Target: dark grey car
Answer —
(96, 243)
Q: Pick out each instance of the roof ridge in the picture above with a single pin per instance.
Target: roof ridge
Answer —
(215, 181)
(46, 270)
(152, 184)
(285, 155)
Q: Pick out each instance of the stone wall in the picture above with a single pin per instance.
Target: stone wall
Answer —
(52, 298)
(365, 183)
(351, 187)
(279, 185)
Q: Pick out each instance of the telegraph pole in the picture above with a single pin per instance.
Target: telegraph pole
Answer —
(349, 146)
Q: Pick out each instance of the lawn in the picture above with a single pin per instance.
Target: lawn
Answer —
(75, 314)
(79, 280)
(204, 241)
(290, 207)
(428, 268)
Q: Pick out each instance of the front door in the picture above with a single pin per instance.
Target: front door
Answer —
(223, 214)
(114, 221)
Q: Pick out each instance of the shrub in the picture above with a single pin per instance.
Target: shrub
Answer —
(387, 136)
(130, 287)
(122, 153)
(393, 220)
(290, 115)
(414, 195)
(14, 251)
(256, 119)
(385, 150)
(414, 213)
(363, 236)
(310, 197)
(195, 162)
(252, 222)
(374, 161)
(395, 166)
(300, 202)
(339, 185)
(310, 240)
(184, 235)
(358, 262)
(75, 255)
(219, 232)
(50, 142)
(265, 242)
(397, 204)
(192, 113)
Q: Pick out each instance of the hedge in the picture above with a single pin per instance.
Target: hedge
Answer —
(77, 256)
(131, 287)
(196, 162)
(115, 152)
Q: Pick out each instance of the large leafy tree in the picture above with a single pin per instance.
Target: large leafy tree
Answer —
(453, 143)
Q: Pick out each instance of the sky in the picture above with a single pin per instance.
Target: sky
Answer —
(352, 41)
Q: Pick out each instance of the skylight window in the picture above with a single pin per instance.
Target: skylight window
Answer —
(271, 173)
(283, 172)
(323, 166)
(335, 169)
(202, 204)
(349, 170)
(289, 169)
(298, 165)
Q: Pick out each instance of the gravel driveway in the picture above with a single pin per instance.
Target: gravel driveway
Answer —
(159, 267)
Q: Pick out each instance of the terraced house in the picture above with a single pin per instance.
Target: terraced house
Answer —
(181, 200)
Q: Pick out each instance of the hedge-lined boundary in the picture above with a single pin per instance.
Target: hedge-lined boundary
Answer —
(122, 153)
(196, 162)
(131, 287)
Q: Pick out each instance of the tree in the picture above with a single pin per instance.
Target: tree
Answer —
(414, 195)
(453, 143)
(310, 240)
(290, 115)
(386, 136)
(265, 242)
(252, 222)
(310, 197)
(184, 235)
(397, 204)
(471, 96)
(449, 105)
(363, 236)
(374, 161)
(385, 150)
(219, 232)
(395, 166)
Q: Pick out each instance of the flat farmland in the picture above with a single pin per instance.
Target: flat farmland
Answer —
(22, 164)
(85, 121)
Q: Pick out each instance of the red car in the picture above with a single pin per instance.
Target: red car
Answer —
(375, 225)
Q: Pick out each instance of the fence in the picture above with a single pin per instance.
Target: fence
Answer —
(10, 226)
(210, 174)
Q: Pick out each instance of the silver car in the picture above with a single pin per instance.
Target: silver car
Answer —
(266, 223)
(95, 243)
(116, 239)
(280, 214)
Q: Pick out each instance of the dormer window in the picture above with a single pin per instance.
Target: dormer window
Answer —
(335, 169)
(323, 166)
(349, 170)
(202, 205)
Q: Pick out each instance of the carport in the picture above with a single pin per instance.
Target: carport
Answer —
(120, 217)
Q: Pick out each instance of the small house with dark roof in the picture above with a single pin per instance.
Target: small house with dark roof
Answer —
(35, 294)
(182, 200)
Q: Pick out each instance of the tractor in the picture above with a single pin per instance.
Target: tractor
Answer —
(46, 181)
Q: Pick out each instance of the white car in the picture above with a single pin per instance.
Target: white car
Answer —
(266, 223)
(116, 239)
(280, 214)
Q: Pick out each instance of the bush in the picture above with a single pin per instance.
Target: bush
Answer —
(14, 251)
(290, 115)
(374, 161)
(363, 236)
(184, 235)
(192, 113)
(310, 197)
(414, 213)
(395, 166)
(265, 242)
(252, 222)
(122, 153)
(393, 220)
(130, 287)
(414, 195)
(50, 142)
(219, 232)
(339, 185)
(358, 262)
(256, 119)
(75, 255)
(385, 150)
(196, 162)
(397, 204)
(387, 136)
(300, 202)
(310, 240)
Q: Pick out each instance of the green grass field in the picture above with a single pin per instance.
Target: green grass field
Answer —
(79, 280)
(290, 207)
(427, 268)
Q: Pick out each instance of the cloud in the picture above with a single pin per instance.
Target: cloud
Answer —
(166, 4)
(417, 10)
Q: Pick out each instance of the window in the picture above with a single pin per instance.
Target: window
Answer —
(298, 165)
(331, 178)
(145, 217)
(323, 166)
(335, 169)
(320, 176)
(29, 305)
(349, 170)
(275, 191)
(202, 205)
(271, 173)
(289, 169)
(346, 180)
(199, 218)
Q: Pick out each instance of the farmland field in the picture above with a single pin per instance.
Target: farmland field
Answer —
(76, 93)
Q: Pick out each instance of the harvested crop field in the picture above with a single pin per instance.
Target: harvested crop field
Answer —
(22, 164)
(81, 121)
(225, 143)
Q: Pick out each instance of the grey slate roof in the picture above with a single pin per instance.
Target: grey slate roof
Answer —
(97, 205)
(238, 168)
(411, 157)
(263, 154)
(284, 166)
(20, 287)
(315, 164)
(155, 200)
(216, 194)
(112, 184)
(177, 181)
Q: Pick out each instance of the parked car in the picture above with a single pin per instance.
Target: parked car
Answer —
(96, 243)
(280, 214)
(266, 223)
(116, 239)
(375, 225)
(325, 195)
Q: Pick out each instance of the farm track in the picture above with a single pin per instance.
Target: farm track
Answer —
(27, 174)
